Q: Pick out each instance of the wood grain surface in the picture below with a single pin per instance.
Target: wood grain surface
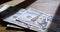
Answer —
(13, 2)
(47, 6)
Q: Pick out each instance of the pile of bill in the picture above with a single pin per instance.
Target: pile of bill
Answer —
(30, 18)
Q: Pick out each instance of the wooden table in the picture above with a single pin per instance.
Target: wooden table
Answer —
(47, 6)
(13, 2)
